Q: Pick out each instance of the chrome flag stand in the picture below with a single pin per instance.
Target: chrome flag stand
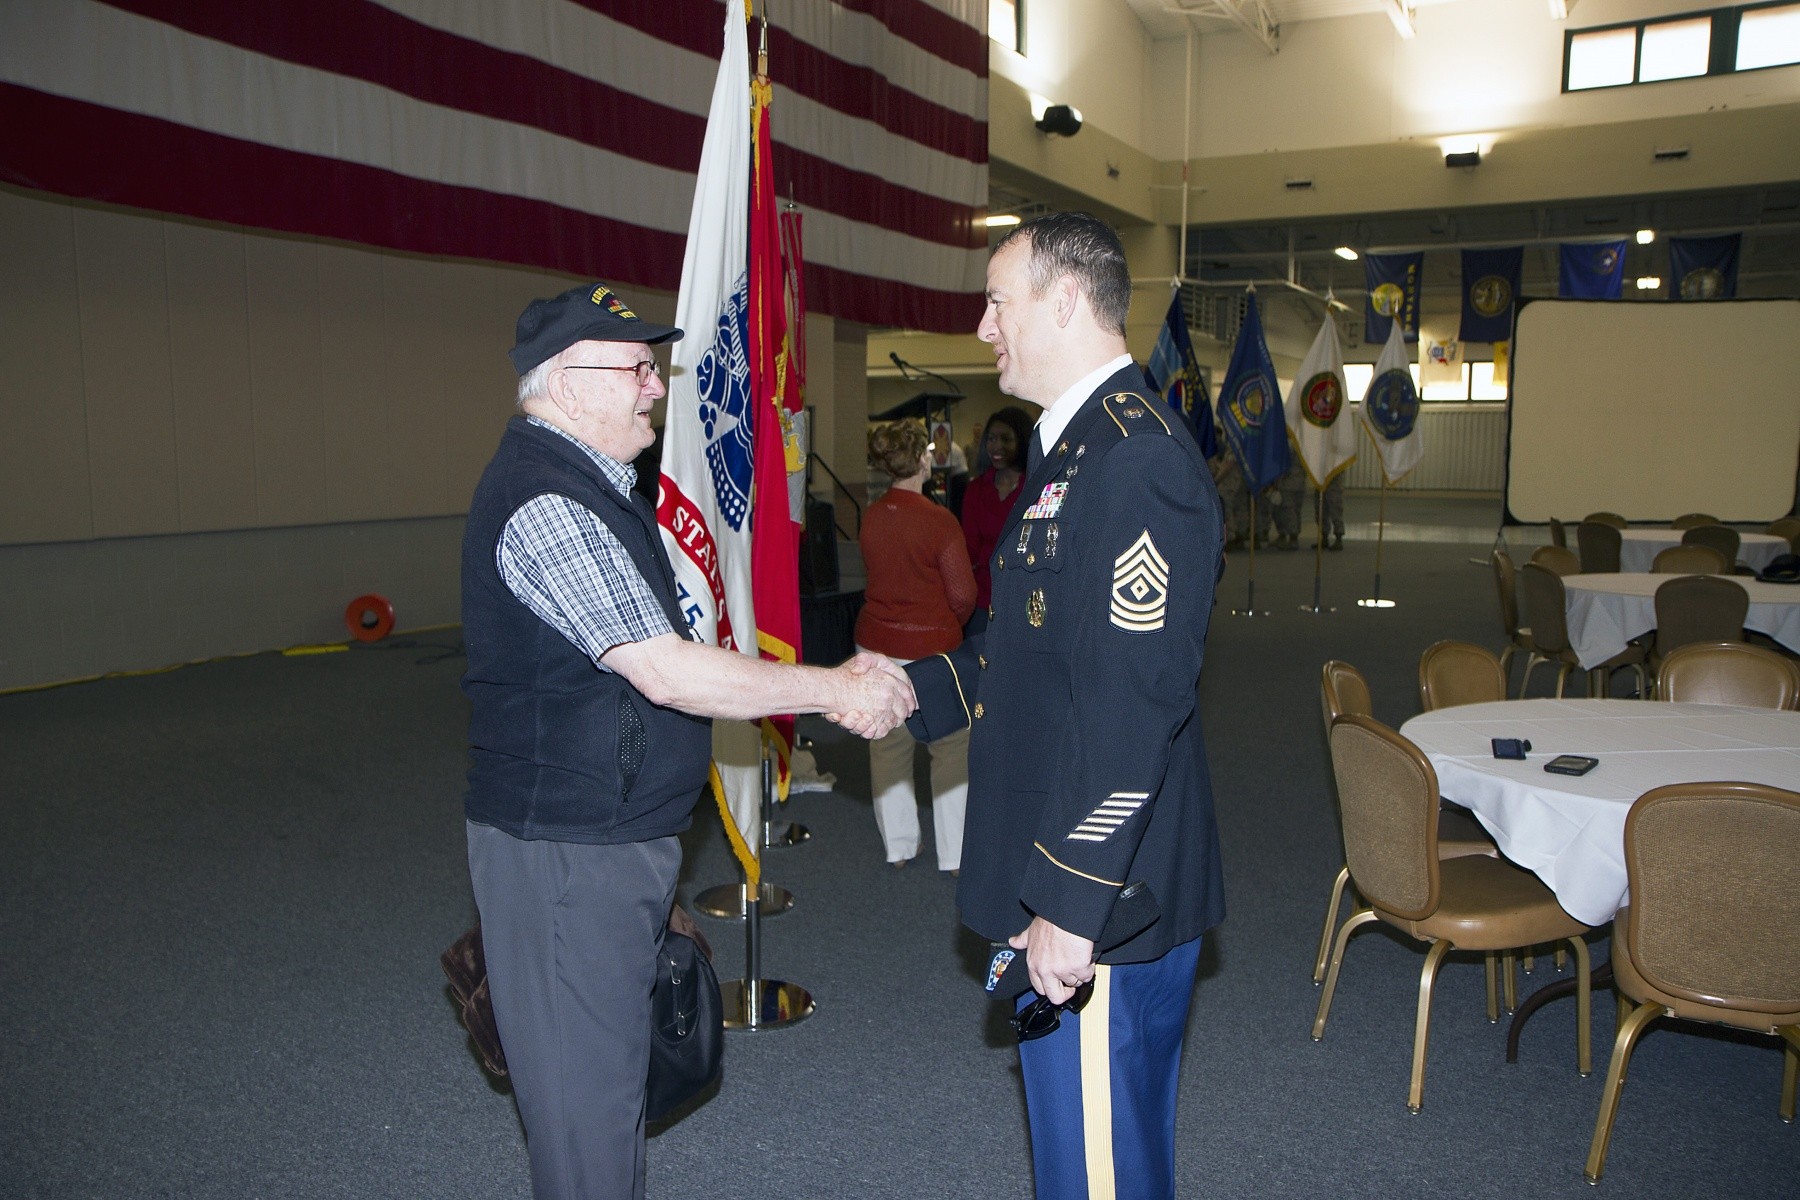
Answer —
(1316, 608)
(754, 1003)
(1376, 601)
(1249, 609)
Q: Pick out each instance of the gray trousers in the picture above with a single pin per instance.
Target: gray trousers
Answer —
(571, 933)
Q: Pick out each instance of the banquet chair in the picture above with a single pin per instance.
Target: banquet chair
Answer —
(1789, 528)
(1343, 691)
(1453, 673)
(1689, 560)
(1599, 545)
(1722, 538)
(1560, 559)
(1689, 520)
(1698, 608)
(1608, 518)
(1698, 943)
(1506, 585)
(1558, 535)
(1388, 796)
(1729, 673)
(1543, 607)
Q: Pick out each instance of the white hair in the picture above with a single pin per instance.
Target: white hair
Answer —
(535, 383)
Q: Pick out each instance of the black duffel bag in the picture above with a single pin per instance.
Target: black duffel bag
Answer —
(687, 1020)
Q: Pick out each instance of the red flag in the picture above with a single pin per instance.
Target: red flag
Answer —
(774, 537)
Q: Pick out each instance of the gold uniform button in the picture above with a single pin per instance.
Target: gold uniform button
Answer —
(982, 659)
(990, 612)
(979, 711)
(1000, 563)
(1030, 559)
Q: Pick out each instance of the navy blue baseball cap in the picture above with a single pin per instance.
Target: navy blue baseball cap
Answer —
(589, 313)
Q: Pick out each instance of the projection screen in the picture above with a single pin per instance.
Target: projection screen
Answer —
(1653, 410)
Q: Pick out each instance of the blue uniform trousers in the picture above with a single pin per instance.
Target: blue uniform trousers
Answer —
(1100, 1091)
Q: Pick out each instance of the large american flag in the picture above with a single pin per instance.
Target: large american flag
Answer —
(562, 134)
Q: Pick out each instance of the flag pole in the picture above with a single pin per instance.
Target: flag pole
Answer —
(1317, 607)
(1249, 609)
(1376, 601)
(754, 1003)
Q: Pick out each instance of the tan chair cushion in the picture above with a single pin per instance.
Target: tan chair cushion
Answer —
(1630, 982)
(1489, 904)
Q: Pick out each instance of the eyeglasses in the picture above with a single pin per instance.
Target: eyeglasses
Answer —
(644, 370)
(1041, 1018)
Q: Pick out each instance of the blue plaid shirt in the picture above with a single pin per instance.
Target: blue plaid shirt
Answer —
(565, 565)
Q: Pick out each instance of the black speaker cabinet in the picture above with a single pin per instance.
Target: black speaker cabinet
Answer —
(818, 550)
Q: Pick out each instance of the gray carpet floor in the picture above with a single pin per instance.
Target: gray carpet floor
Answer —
(223, 891)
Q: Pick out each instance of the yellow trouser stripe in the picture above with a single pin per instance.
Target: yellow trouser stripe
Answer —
(1096, 1086)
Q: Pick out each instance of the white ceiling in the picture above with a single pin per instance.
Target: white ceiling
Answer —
(1166, 19)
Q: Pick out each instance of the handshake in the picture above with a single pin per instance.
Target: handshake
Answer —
(872, 695)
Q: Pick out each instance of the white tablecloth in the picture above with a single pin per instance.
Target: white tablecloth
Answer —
(1606, 611)
(1570, 830)
(1638, 548)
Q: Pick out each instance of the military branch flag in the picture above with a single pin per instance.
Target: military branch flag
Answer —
(774, 537)
(1250, 406)
(1175, 373)
(1704, 268)
(1321, 435)
(1591, 270)
(1390, 411)
(708, 463)
(1490, 288)
(1393, 282)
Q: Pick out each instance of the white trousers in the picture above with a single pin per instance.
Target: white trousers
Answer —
(897, 805)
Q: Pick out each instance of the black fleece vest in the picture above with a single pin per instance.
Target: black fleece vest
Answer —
(558, 748)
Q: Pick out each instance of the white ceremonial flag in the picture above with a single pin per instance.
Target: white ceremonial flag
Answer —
(703, 503)
(1390, 409)
(1321, 434)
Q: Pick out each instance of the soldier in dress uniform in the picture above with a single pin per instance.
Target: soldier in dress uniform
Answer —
(1087, 768)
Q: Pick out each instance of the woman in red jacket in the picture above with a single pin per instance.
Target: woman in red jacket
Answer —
(989, 498)
(920, 591)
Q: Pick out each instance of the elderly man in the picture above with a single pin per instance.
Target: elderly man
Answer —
(1088, 785)
(590, 734)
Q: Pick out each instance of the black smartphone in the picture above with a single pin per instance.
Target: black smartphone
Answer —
(1571, 764)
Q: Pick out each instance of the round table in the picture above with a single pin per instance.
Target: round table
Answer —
(1638, 548)
(1607, 610)
(1570, 830)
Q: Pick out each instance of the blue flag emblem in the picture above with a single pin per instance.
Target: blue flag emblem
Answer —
(1393, 404)
(722, 378)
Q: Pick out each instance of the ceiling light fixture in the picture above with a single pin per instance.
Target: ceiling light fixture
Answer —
(1463, 158)
(1346, 253)
(1646, 236)
(1002, 220)
(1649, 283)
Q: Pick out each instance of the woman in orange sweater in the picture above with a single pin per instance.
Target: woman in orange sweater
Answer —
(919, 593)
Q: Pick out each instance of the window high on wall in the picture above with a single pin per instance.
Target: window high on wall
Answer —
(1718, 42)
(1006, 23)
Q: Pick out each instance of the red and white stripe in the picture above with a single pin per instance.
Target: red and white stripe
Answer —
(553, 133)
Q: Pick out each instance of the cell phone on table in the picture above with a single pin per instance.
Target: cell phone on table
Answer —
(1571, 764)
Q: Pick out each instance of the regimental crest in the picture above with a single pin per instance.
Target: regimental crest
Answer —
(1491, 295)
(1387, 299)
(1140, 590)
(1249, 403)
(1703, 283)
(1393, 404)
(722, 378)
(1322, 399)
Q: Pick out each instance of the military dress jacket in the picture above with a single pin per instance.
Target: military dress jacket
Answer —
(1087, 768)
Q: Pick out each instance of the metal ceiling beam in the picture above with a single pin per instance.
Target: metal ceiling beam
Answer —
(1251, 16)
